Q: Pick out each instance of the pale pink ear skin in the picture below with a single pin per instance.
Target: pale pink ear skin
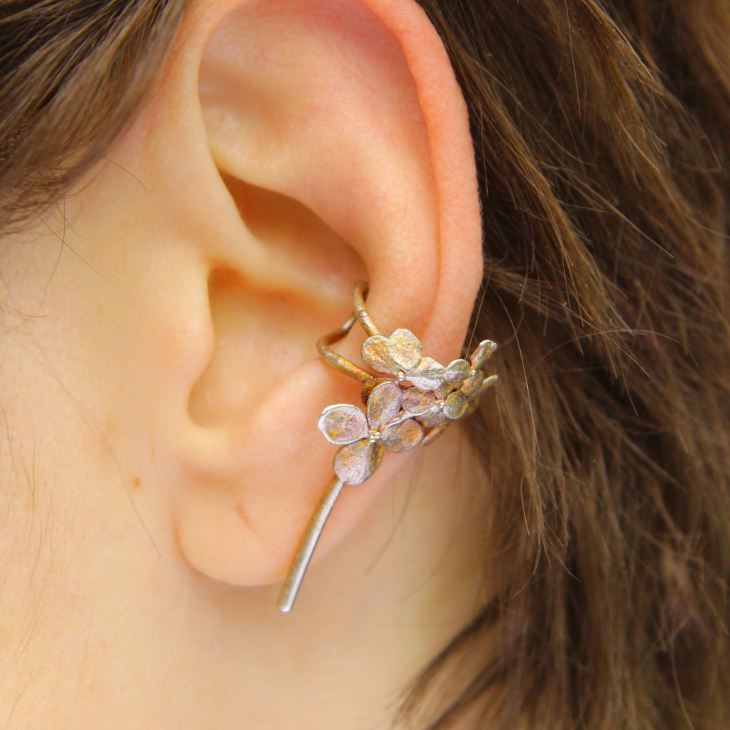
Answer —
(384, 161)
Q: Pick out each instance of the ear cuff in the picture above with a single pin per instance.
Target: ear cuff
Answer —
(411, 401)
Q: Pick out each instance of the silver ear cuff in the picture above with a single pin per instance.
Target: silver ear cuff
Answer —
(412, 401)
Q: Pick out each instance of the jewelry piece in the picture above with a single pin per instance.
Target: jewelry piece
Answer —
(415, 393)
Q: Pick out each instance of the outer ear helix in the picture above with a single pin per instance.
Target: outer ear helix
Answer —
(413, 401)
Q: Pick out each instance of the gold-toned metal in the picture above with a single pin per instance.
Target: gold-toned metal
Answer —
(412, 393)
(397, 437)
(337, 361)
(458, 371)
(434, 433)
(384, 405)
(418, 403)
(480, 356)
(343, 424)
(473, 384)
(357, 462)
(451, 401)
(359, 293)
(306, 547)
(400, 355)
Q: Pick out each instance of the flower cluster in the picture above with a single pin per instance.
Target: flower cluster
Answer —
(365, 437)
(421, 394)
(464, 385)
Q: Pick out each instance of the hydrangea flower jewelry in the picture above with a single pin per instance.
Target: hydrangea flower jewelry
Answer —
(412, 401)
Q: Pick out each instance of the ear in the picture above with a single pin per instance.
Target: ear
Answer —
(292, 148)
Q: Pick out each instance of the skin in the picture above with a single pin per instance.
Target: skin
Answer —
(160, 388)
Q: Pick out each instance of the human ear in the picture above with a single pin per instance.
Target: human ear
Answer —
(291, 148)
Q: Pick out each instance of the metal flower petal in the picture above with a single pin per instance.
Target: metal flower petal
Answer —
(484, 351)
(343, 424)
(375, 355)
(400, 355)
(433, 418)
(357, 462)
(365, 438)
(445, 390)
(473, 383)
(404, 349)
(417, 402)
(427, 375)
(384, 405)
(457, 371)
(402, 436)
(455, 405)
(457, 397)
(450, 409)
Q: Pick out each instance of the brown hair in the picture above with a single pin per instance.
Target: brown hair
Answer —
(602, 132)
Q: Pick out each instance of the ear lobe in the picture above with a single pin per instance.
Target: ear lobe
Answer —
(336, 126)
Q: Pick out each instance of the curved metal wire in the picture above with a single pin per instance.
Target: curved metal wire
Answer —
(311, 536)
(306, 547)
(337, 361)
(359, 293)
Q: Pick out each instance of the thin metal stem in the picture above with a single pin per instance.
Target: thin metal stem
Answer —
(359, 292)
(337, 361)
(306, 547)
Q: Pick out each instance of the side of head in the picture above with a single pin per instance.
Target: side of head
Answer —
(186, 218)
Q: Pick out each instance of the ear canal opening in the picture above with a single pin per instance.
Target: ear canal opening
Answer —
(260, 336)
(270, 303)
